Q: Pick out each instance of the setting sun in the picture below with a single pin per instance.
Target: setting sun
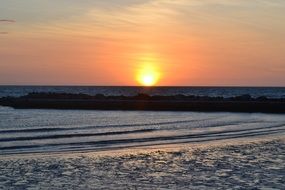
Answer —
(148, 77)
(149, 69)
(148, 80)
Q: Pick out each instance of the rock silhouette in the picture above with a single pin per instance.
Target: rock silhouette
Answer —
(243, 103)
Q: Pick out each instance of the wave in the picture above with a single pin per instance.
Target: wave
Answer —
(55, 129)
(57, 136)
(123, 143)
(42, 137)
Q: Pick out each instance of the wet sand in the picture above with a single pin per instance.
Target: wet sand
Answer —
(235, 164)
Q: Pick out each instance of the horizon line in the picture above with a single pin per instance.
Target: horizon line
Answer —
(140, 86)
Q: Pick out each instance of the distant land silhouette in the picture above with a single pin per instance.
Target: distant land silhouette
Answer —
(243, 103)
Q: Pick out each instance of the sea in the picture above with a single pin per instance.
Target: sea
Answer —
(270, 92)
(29, 131)
(53, 149)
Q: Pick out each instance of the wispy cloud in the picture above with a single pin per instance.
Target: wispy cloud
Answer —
(4, 21)
(7, 21)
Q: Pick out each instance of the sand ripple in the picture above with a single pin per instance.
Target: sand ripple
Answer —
(245, 166)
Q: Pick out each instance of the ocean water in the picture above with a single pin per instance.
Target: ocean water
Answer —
(42, 131)
(56, 149)
(270, 92)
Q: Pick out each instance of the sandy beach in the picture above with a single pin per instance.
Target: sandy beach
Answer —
(240, 164)
(81, 149)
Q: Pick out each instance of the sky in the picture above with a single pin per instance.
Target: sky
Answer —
(112, 42)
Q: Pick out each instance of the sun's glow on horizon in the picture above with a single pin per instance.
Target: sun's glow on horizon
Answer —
(149, 69)
(148, 76)
(143, 42)
(148, 79)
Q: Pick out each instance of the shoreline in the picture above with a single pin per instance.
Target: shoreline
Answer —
(149, 149)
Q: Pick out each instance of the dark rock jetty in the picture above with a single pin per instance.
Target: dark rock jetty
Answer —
(244, 103)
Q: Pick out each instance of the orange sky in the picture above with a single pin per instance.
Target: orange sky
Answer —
(189, 42)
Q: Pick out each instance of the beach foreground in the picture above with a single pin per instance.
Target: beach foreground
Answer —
(86, 149)
(242, 164)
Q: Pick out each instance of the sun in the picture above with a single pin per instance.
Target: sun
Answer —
(148, 72)
(148, 77)
(148, 80)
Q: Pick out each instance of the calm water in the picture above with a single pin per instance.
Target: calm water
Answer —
(271, 92)
(68, 131)
(60, 130)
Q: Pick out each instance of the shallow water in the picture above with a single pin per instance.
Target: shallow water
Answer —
(69, 145)
(43, 131)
